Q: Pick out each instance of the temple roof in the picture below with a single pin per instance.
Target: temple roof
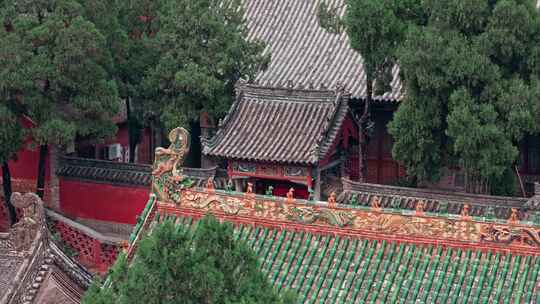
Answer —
(279, 125)
(303, 52)
(329, 268)
(131, 174)
(33, 269)
(374, 252)
(105, 171)
(362, 194)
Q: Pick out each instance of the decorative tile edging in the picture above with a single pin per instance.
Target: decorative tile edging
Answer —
(174, 193)
(394, 224)
(143, 224)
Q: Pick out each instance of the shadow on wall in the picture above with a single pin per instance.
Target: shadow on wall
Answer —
(193, 159)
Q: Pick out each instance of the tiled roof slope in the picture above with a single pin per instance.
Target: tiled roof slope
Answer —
(106, 171)
(334, 269)
(279, 125)
(32, 268)
(303, 52)
(128, 173)
(362, 194)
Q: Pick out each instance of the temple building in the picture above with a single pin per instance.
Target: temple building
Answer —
(286, 138)
(304, 55)
(294, 126)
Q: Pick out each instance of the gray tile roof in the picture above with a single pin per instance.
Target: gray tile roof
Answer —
(130, 174)
(33, 269)
(356, 193)
(279, 125)
(105, 171)
(303, 52)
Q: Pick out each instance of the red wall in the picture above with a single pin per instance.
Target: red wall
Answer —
(23, 171)
(104, 202)
(25, 164)
(122, 138)
(381, 167)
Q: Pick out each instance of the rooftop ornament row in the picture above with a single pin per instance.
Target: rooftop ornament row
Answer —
(175, 194)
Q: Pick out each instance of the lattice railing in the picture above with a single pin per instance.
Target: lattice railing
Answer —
(109, 253)
(89, 251)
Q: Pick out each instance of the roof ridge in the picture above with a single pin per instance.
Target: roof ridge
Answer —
(208, 143)
(288, 91)
(325, 129)
(341, 105)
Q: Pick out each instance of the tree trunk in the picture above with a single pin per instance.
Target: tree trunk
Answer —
(153, 140)
(6, 181)
(362, 147)
(132, 134)
(40, 187)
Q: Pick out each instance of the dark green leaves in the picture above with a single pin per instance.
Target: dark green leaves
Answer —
(472, 88)
(64, 74)
(11, 133)
(203, 52)
(175, 264)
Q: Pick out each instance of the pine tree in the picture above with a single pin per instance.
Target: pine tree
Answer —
(203, 52)
(204, 264)
(470, 76)
(374, 28)
(11, 140)
(130, 27)
(14, 79)
(472, 90)
(71, 90)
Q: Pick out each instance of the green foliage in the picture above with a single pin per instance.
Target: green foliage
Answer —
(506, 185)
(375, 28)
(14, 79)
(178, 265)
(328, 18)
(62, 70)
(203, 52)
(11, 133)
(471, 75)
(354, 199)
(472, 89)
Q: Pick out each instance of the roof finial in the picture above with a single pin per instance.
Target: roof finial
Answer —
(322, 86)
(310, 85)
(514, 216)
(290, 195)
(332, 199)
(290, 84)
(339, 87)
